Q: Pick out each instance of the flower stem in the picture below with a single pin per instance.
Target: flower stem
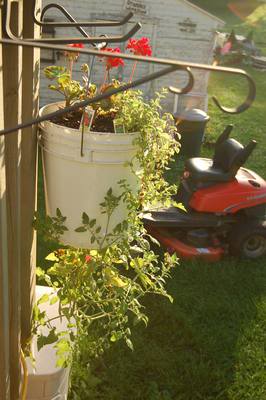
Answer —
(50, 320)
(133, 71)
(82, 133)
(70, 67)
(105, 77)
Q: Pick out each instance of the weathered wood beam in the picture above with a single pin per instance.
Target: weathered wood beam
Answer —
(30, 107)
(12, 94)
(4, 299)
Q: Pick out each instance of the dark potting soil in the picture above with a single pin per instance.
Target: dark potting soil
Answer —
(73, 119)
(70, 120)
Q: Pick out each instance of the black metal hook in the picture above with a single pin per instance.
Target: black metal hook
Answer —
(90, 40)
(188, 87)
(74, 23)
(66, 14)
(249, 99)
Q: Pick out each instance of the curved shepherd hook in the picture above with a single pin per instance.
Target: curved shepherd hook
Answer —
(64, 12)
(65, 40)
(72, 22)
(229, 110)
(189, 85)
(249, 99)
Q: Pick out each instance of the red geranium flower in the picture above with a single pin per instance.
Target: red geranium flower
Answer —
(88, 258)
(140, 47)
(113, 62)
(78, 45)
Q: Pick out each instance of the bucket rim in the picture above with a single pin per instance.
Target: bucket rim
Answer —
(43, 125)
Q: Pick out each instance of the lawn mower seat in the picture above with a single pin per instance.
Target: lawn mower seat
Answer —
(229, 156)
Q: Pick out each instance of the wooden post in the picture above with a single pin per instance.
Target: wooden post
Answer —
(4, 300)
(4, 303)
(19, 87)
(30, 108)
(12, 94)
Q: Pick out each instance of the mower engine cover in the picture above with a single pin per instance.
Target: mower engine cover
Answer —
(247, 190)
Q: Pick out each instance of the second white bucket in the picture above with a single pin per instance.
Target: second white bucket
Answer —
(76, 184)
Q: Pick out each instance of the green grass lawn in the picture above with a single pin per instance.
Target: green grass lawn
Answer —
(210, 344)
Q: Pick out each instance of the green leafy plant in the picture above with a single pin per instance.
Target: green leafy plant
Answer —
(157, 144)
(69, 88)
(51, 228)
(100, 291)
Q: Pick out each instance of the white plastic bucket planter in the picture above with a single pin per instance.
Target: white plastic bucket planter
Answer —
(47, 381)
(76, 184)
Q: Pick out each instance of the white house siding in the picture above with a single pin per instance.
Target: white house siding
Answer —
(168, 38)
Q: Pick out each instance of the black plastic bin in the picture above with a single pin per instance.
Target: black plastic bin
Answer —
(191, 126)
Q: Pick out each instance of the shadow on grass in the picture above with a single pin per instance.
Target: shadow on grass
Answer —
(197, 347)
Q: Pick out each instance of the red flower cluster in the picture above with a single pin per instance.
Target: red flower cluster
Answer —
(140, 47)
(113, 62)
(77, 45)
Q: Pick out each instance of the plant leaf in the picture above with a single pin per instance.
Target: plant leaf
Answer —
(52, 257)
(44, 340)
(129, 344)
(81, 229)
(43, 299)
(85, 218)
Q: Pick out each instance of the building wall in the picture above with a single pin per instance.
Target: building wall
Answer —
(176, 29)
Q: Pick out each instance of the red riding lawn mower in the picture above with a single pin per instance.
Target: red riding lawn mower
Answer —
(225, 207)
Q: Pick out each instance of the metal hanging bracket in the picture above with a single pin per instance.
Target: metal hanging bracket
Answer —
(172, 65)
(86, 39)
(100, 23)
(66, 40)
